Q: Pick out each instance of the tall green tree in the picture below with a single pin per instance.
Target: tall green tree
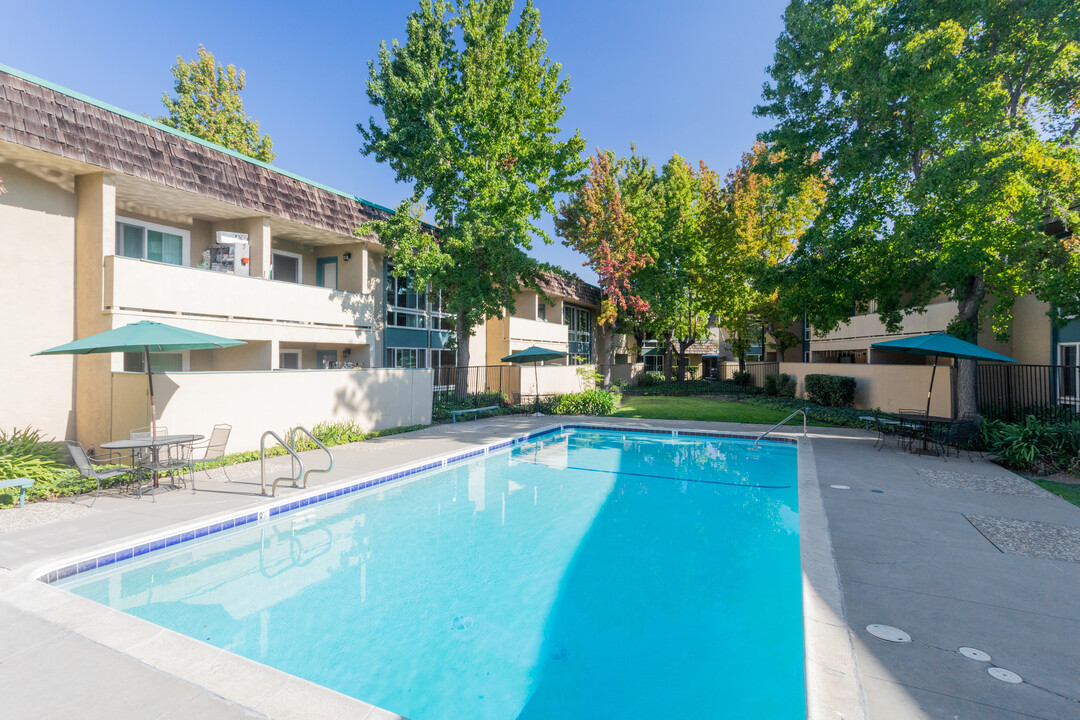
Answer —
(471, 107)
(598, 223)
(208, 105)
(753, 223)
(948, 130)
(673, 283)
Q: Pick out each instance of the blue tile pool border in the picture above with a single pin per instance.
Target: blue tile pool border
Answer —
(186, 535)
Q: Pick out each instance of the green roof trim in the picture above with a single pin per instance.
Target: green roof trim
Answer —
(179, 133)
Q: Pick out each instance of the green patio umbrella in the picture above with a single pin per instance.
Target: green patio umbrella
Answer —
(535, 355)
(145, 337)
(940, 344)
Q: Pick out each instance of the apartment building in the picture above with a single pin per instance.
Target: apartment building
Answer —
(109, 218)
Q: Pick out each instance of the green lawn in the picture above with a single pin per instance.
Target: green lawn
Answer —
(1067, 491)
(698, 408)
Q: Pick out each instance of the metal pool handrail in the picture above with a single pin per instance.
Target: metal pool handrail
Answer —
(292, 441)
(262, 462)
(759, 437)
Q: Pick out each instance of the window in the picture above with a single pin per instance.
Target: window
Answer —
(399, 318)
(148, 241)
(286, 266)
(412, 358)
(654, 363)
(1069, 382)
(541, 312)
(159, 362)
(579, 331)
(443, 358)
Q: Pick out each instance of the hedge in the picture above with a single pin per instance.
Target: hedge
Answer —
(831, 390)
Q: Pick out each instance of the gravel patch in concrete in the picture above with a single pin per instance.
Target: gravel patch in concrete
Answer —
(1033, 539)
(39, 513)
(1002, 484)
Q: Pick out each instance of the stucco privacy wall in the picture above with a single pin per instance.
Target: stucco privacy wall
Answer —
(254, 402)
(552, 379)
(888, 387)
(37, 259)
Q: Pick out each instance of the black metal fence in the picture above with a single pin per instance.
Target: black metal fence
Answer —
(462, 382)
(1012, 392)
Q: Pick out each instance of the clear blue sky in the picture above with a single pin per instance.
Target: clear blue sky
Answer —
(678, 76)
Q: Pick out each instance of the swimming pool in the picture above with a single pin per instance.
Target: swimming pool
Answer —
(581, 574)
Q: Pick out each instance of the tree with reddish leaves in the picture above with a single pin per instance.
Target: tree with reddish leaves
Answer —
(599, 223)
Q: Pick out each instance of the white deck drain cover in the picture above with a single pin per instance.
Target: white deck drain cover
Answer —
(974, 654)
(1004, 675)
(840, 487)
(888, 633)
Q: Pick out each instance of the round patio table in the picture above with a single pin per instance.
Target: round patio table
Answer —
(153, 444)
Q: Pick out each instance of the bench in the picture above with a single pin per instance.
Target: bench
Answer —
(21, 483)
(455, 413)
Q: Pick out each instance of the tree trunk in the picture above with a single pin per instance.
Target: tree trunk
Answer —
(461, 379)
(968, 307)
(667, 355)
(605, 336)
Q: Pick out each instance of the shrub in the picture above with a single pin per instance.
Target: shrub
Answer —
(743, 378)
(831, 390)
(29, 441)
(650, 378)
(1034, 445)
(588, 402)
(843, 417)
(692, 371)
(619, 384)
(782, 385)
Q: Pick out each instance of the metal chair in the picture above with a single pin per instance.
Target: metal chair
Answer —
(85, 463)
(912, 430)
(213, 451)
(884, 427)
(176, 460)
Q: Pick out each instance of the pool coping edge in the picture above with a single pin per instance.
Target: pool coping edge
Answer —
(834, 689)
(217, 671)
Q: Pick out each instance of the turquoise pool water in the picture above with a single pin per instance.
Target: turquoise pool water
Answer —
(587, 574)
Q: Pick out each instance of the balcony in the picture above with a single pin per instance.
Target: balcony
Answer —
(536, 332)
(140, 285)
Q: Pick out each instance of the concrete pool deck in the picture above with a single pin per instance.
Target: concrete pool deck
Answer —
(914, 547)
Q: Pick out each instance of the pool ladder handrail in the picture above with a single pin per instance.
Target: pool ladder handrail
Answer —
(759, 437)
(294, 459)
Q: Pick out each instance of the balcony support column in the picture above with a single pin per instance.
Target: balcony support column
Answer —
(95, 237)
(258, 232)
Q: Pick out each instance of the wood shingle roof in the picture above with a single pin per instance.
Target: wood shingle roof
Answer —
(39, 115)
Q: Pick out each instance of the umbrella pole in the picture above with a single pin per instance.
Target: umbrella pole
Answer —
(931, 390)
(536, 385)
(150, 383)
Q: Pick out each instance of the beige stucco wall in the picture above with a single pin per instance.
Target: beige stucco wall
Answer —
(37, 259)
(888, 387)
(254, 402)
(552, 379)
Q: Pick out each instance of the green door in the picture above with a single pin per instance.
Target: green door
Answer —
(326, 272)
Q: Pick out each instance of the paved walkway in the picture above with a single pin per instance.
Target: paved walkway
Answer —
(954, 553)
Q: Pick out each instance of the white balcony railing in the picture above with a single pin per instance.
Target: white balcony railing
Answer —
(536, 332)
(132, 284)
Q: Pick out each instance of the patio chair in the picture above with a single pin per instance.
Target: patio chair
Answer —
(912, 430)
(85, 463)
(213, 451)
(961, 435)
(176, 458)
(884, 427)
